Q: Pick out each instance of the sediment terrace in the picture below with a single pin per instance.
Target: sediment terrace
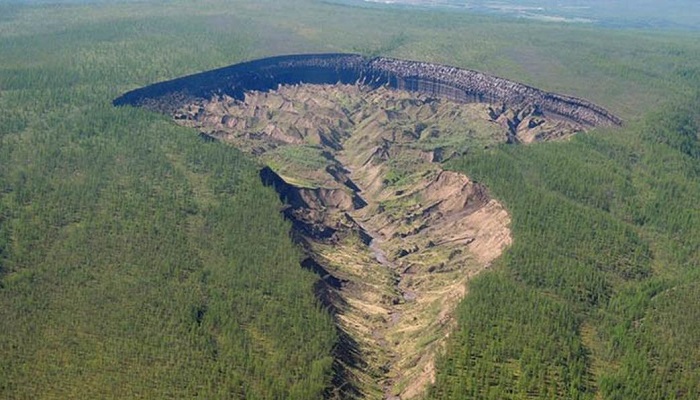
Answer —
(355, 146)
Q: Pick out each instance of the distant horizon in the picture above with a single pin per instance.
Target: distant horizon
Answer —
(673, 14)
(642, 14)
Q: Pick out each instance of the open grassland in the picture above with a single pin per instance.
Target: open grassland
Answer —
(139, 261)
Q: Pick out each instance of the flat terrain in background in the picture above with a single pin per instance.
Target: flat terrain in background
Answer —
(647, 14)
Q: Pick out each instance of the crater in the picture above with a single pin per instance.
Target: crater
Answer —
(355, 146)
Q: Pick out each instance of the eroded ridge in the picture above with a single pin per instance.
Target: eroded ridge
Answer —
(354, 146)
(394, 236)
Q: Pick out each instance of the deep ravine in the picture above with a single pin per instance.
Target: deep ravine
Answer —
(394, 237)
(375, 211)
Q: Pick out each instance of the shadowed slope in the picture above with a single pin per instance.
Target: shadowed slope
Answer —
(442, 81)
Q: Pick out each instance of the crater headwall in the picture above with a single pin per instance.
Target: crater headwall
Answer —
(441, 81)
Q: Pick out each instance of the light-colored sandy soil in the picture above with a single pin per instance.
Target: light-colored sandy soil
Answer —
(407, 236)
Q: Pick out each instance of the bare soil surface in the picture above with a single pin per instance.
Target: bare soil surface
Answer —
(395, 235)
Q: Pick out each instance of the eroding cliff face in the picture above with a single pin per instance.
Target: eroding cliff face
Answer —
(441, 81)
(355, 154)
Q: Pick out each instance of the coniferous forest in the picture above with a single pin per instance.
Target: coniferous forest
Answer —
(599, 295)
(139, 261)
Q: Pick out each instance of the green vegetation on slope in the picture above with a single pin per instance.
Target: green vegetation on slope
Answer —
(138, 261)
(143, 263)
(598, 292)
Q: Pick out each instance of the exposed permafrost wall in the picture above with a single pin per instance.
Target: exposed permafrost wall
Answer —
(441, 81)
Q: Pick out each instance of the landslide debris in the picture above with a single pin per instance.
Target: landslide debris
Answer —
(394, 235)
(354, 147)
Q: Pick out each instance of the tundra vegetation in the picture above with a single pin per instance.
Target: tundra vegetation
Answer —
(137, 260)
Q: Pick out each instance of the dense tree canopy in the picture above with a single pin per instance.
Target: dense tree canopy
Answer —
(137, 260)
(590, 297)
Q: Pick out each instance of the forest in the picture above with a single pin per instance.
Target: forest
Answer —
(140, 261)
(603, 282)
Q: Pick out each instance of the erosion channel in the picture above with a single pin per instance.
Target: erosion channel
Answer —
(354, 147)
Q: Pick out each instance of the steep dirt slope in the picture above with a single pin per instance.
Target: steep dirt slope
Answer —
(443, 81)
(395, 237)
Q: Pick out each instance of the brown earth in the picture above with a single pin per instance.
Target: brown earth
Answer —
(396, 237)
